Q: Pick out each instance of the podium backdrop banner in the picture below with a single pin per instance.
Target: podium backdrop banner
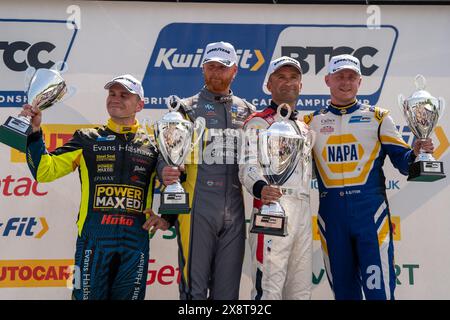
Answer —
(162, 44)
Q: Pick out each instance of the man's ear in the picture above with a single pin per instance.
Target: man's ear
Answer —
(235, 71)
(269, 85)
(327, 79)
(140, 106)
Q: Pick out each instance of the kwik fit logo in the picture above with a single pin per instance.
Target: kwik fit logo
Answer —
(19, 50)
(177, 58)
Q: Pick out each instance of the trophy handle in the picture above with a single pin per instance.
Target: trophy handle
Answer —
(70, 92)
(170, 101)
(29, 73)
(60, 67)
(284, 106)
(441, 107)
(199, 128)
(401, 101)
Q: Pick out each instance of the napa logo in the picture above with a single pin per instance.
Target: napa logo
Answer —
(342, 153)
(177, 57)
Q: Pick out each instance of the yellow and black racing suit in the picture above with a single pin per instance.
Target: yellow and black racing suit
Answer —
(116, 166)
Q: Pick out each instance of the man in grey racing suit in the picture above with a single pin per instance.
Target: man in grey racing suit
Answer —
(211, 239)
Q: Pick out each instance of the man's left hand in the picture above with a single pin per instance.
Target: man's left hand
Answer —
(155, 222)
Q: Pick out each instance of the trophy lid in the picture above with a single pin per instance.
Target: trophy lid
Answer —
(421, 109)
(421, 93)
(282, 129)
(172, 116)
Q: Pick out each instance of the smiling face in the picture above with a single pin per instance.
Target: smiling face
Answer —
(285, 85)
(218, 77)
(343, 86)
(122, 105)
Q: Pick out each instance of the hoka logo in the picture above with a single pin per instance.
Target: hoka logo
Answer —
(342, 153)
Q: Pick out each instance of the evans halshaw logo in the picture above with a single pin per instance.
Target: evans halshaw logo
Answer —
(175, 63)
(20, 49)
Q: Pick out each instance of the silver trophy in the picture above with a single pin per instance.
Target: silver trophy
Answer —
(45, 88)
(280, 148)
(422, 112)
(174, 138)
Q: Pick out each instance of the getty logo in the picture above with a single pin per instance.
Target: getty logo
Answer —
(21, 49)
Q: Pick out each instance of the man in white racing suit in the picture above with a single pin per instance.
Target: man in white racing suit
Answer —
(281, 266)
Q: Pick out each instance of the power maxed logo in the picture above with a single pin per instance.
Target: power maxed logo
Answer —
(177, 56)
(19, 50)
(122, 197)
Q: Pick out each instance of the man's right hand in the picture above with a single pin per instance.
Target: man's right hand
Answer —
(34, 113)
(270, 194)
(171, 174)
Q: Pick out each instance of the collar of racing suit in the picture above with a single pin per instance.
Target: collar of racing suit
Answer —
(214, 97)
(340, 110)
(118, 128)
(274, 106)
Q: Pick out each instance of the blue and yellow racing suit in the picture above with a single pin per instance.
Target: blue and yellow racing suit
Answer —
(116, 166)
(354, 219)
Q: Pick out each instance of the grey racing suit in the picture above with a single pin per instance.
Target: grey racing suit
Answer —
(281, 266)
(211, 239)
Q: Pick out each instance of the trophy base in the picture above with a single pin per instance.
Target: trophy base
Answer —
(269, 224)
(174, 203)
(14, 133)
(426, 171)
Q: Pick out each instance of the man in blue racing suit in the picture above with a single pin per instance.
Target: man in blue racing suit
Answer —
(352, 142)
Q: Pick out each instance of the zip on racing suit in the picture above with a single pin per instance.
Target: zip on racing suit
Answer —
(354, 219)
(116, 165)
(281, 266)
(211, 239)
